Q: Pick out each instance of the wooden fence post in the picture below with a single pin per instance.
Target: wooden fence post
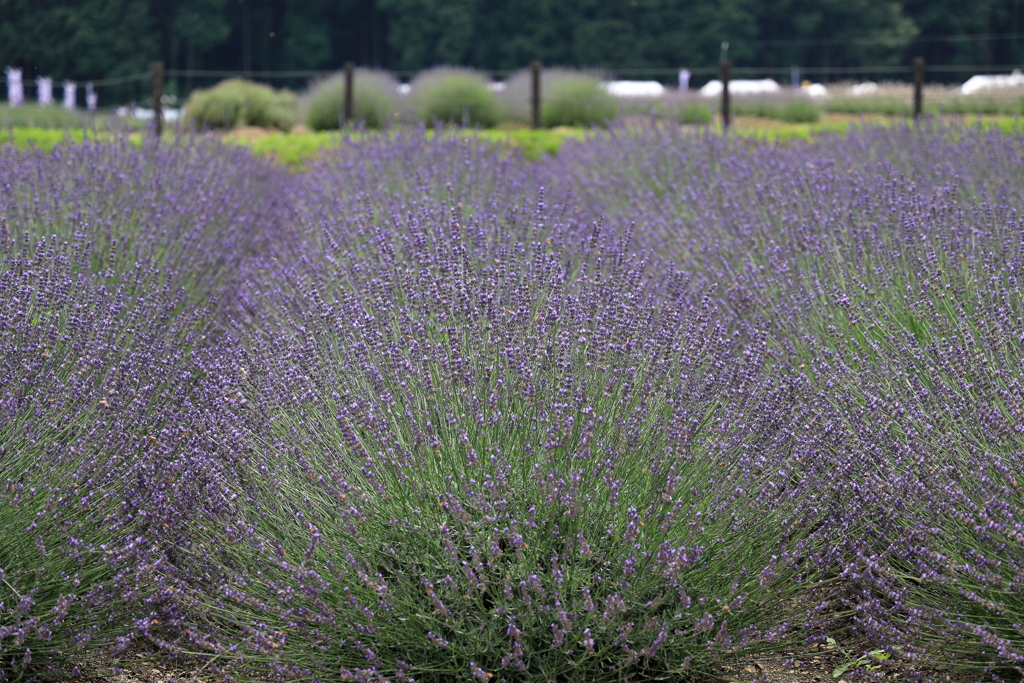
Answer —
(158, 95)
(725, 71)
(535, 93)
(350, 69)
(918, 85)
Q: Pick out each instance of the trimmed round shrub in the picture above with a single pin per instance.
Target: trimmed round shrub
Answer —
(373, 104)
(555, 98)
(800, 111)
(238, 102)
(577, 100)
(446, 94)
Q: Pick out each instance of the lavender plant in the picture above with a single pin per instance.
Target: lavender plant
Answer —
(240, 102)
(717, 397)
(953, 560)
(194, 207)
(101, 453)
(501, 466)
(449, 95)
(878, 260)
(374, 103)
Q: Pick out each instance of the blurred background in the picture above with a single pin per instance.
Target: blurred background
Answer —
(97, 39)
(286, 43)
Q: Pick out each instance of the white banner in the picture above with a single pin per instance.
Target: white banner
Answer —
(15, 87)
(44, 91)
(90, 97)
(69, 95)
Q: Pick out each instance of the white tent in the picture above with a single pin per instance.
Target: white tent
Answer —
(634, 88)
(146, 114)
(814, 90)
(865, 88)
(978, 83)
(741, 87)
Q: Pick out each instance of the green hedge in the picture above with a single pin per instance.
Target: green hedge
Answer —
(691, 113)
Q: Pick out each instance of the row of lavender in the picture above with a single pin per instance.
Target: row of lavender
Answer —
(428, 411)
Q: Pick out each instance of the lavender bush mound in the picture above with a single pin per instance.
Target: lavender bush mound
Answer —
(102, 454)
(374, 104)
(886, 267)
(943, 418)
(454, 95)
(503, 469)
(846, 251)
(195, 207)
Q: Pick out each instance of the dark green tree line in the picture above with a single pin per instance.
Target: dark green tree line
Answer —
(103, 38)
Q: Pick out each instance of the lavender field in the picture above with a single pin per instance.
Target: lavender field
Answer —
(429, 411)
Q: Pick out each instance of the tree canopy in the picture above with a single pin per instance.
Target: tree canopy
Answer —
(104, 38)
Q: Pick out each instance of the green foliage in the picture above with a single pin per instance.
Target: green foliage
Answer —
(89, 39)
(979, 106)
(507, 35)
(533, 143)
(858, 662)
(102, 38)
(764, 109)
(447, 95)
(792, 111)
(34, 116)
(885, 106)
(238, 102)
(291, 149)
(577, 100)
(373, 104)
(296, 149)
(692, 113)
(43, 138)
(201, 23)
(800, 111)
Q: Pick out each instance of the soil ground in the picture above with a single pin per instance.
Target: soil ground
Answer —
(815, 663)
